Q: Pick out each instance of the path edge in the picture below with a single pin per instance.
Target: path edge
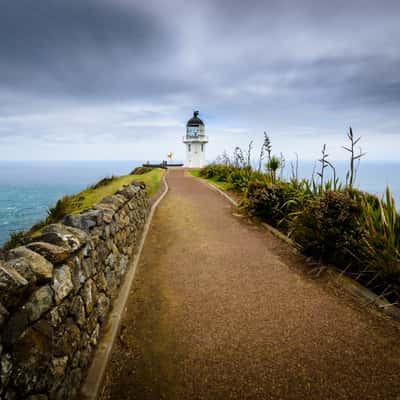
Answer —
(93, 382)
(349, 284)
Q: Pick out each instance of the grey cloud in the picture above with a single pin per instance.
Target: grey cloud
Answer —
(78, 47)
(108, 68)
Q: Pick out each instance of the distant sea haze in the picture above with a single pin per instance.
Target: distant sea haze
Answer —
(28, 188)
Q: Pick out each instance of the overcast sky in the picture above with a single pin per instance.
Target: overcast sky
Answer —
(118, 79)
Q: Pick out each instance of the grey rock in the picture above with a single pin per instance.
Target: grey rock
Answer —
(85, 356)
(111, 261)
(10, 394)
(61, 235)
(62, 283)
(14, 326)
(101, 282)
(139, 184)
(111, 282)
(89, 294)
(87, 249)
(106, 210)
(3, 315)
(117, 200)
(53, 253)
(68, 339)
(76, 359)
(31, 357)
(123, 263)
(86, 221)
(39, 302)
(78, 274)
(95, 335)
(57, 315)
(88, 267)
(71, 385)
(102, 307)
(128, 191)
(78, 310)
(91, 323)
(12, 285)
(115, 250)
(32, 266)
(78, 235)
(58, 366)
(5, 369)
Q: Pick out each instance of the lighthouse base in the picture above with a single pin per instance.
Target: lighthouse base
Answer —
(195, 155)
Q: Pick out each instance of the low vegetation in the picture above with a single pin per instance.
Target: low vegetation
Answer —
(328, 219)
(76, 203)
(141, 170)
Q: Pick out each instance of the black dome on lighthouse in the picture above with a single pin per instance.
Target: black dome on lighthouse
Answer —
(195, 120)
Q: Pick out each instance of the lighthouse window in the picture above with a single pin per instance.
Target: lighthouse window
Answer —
(192, 131)
(189, 147)
(202, 147)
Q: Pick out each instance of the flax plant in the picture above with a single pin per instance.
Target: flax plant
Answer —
(382, 238)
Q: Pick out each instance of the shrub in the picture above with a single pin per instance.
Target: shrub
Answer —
(15, 240)
(381, 244)
(218, 172)
(60, 210)
(102, 182)
(265, 200)
(272, 166)
(141, 170)
(239, 178)
(276, 203)
(329, 228)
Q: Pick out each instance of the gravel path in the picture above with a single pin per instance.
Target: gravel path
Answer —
(220, 309)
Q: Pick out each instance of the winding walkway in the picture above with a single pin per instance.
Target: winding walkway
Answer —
(220, 310)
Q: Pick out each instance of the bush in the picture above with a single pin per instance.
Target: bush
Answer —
(216, 171)
(60, 210)
(265, 201)
(15, 240)
(239, 178)
(141, 170)
(102, 182)
(381, 245)
(329, 228)
(278, 203)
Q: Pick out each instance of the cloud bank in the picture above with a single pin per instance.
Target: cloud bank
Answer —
(117, 79)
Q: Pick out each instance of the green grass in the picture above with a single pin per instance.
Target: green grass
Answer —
(76, 203)
(92, 195)
(222, 185)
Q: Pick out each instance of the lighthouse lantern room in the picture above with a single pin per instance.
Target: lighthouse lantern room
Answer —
(195, 141)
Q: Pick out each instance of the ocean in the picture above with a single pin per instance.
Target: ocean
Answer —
(28, 188)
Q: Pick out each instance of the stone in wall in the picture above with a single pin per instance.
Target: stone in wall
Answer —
(13, 285)
(56, 291)
(53, 253)
(32, 266)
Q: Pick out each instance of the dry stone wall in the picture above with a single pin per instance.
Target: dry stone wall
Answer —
(56, 292)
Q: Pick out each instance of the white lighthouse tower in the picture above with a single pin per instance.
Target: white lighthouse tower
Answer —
(195, 141)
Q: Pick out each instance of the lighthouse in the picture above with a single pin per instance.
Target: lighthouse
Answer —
(195, 141)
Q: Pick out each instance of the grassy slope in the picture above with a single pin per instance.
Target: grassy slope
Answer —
(86, 198)
(223, 185)
(76, 203)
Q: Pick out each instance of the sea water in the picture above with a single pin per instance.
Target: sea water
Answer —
(371, 176)
(28, 188)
